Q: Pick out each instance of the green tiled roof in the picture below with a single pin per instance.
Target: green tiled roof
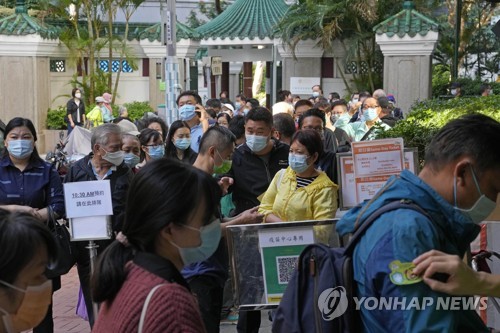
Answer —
(407, 22)
(246, 19)
(153, 33)
(20, 24)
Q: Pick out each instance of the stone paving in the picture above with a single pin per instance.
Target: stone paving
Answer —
(66, 321)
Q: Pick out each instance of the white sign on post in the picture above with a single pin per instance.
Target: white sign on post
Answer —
(88, 207)
(216, 65)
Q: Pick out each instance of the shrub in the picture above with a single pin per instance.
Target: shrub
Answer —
(428, 116)
(137, 109)
(56, 118)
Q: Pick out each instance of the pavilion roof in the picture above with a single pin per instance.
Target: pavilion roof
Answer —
(407, 22)
(252, 19)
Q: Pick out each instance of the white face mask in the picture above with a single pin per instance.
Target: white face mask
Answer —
(483, 206)
(78, 95)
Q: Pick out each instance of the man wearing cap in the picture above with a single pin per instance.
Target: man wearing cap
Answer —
(95, 117)
(386, 111)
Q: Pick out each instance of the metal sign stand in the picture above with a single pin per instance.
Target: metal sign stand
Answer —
(93, 256)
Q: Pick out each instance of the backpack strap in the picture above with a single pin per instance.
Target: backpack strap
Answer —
(403, 203)
(145, 307)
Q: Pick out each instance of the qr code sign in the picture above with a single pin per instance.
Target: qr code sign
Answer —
(286, 267)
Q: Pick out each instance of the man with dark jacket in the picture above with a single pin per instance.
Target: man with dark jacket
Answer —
(104, 162)
(257, 161)
(254, 165)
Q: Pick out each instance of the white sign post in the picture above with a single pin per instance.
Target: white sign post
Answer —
(303, 85)
(89, 207)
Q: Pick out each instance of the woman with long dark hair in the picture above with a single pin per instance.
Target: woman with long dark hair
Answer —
(137, 277)
(178, 144)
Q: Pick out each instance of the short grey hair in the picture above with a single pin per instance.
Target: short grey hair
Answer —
(101, 133)
(122, 110)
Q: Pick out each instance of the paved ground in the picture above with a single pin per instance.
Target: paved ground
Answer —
(66, 321)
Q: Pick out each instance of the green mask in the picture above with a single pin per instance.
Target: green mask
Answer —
(224, 168)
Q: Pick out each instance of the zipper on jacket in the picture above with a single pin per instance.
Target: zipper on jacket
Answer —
(312, 269)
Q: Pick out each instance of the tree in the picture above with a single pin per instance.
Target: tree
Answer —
(209, 10)
(348, 21)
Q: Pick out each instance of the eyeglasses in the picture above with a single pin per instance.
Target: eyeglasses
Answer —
(317, 129)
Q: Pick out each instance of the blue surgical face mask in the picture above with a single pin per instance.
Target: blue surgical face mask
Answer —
(187, 112)
(298, 162)
(370, 114)
(256, 143)
(20, 148)
(483, 206)
(183, 143)
(315, 93)
(210, 238)
(156, 152)
(131, 159)
(237, 105)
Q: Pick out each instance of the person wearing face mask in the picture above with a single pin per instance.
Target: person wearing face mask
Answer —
(152, 147)
(104, 162)
(301, 192)
(457, 188)
(207, 278)
(139, 273)
(364, 129)
(239, 104)
(30, 185)
(27, 248)
(75, 110)
(193, 113)
(178, 144)
(254, 165)
(131, 147)
(316, 91)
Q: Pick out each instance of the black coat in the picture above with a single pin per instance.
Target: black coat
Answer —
(252, 175)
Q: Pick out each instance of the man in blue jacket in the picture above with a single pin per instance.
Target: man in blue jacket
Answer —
(457, 187)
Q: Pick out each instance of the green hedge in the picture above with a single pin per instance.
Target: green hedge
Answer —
(56, 117)
(427, 117)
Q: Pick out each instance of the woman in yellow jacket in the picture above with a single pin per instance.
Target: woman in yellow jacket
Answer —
(301, 192)
(95, 116)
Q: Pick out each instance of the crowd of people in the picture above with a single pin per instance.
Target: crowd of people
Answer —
(176, 188)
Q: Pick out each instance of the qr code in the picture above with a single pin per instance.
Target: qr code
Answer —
(286, 267)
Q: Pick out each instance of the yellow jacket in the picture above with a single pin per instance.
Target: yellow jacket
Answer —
(95, 116)
(317, 201)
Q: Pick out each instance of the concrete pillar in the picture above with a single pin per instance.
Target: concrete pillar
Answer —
(407, 66)
(235, 69)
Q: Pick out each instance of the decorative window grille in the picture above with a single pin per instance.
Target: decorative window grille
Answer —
(58, 66)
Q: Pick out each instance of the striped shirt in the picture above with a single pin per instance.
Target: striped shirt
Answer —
(303, 182)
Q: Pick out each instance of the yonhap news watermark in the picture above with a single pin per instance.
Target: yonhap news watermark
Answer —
(333, 303)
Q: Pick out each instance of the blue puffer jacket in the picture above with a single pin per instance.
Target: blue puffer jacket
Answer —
(402, 235)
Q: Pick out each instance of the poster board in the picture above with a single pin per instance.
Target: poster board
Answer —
(89, 207)
(348, 186)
